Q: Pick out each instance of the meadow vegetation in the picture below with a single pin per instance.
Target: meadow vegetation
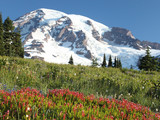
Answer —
(141, 87)
(62, 104)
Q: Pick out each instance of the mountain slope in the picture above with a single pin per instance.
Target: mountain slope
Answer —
(54, 36)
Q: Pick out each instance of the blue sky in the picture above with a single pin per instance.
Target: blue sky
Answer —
(142, 17)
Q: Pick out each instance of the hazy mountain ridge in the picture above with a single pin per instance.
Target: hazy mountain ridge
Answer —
(54, 36)
(123, 36)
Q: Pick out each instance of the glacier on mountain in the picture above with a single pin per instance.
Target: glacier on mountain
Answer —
(54, 36)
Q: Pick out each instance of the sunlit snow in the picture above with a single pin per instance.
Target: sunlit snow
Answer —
(54, 52)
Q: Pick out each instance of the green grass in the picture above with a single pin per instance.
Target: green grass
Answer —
(137, 86)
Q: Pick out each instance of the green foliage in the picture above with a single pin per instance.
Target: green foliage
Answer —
(148, 63)
(16, 45)
(104, 61)
(10, 41)
(8, 31)
(110, 64)
(8, 25)
(141, 87)
(1, 37)
(117, 63)
(71, 60)
(94, 62)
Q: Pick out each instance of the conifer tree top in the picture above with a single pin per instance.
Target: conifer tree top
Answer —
(8, 25)
(104, 61)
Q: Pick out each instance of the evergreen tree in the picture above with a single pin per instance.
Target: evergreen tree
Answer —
(17, 49)
(115, 62)
(10, 41)
(155, 64)
(8, 25)
(119, 63)
(71, 60)
(110, 61)
(94, 62)
(8, 35)
(148, 62)
(1, 37)
(104, 61)
(148, 54)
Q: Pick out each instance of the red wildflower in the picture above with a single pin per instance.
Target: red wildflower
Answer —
(83, 114)
(64, 116)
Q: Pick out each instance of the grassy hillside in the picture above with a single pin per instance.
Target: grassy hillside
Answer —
(136, 86)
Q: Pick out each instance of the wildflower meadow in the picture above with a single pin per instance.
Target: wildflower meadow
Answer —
(33, 89)
(60, 104)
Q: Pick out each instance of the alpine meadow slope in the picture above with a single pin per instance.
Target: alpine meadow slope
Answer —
(54, 36)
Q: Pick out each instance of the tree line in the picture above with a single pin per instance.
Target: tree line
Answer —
(146, 63)
(10, 40)
(116, 64)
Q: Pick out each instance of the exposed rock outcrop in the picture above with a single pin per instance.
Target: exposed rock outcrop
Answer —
(95, 33)
(123, 36)
(53, 36)
(37, 57)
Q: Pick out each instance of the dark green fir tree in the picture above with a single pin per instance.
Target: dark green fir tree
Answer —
(17, 49)
(119, 64)
(110, 61)
(71, 60)
(115, 62)
(1, 37)
(148, 63)
(8, 35)
(104, 61)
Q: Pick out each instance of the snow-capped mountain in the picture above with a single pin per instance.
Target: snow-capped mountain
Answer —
(54, 36)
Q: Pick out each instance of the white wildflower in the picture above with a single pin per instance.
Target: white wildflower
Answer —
(28, 108)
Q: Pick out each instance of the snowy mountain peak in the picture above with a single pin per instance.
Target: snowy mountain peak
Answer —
(54, 36)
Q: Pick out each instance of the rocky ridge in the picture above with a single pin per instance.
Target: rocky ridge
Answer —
(54, 36)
